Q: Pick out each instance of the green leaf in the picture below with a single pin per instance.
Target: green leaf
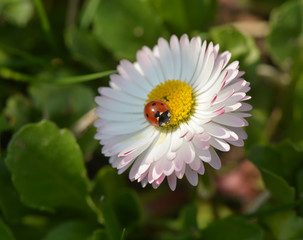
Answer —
(181, 15)
(285, 225)
(111, 222)
(5, 232)
(127, 208)
(100, 234)
(278, 163)
(285, 39)
(11, 207)
(278, 187)
(106, 185)
(88, 13)
(62, 104)
(233, 228)
(106, 182)
(73, 230)
(282, 159)
(85, 48)
(47, 168)
(242, 47)
(17, 12)
(123, 27)
(189, 218)
(18, 110)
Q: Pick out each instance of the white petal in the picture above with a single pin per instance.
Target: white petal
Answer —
(196, 164)
(219, 144)
(201, 169)
(215, 161)
(114, 116)
(116, 106)
(166, 59)
(172, 181)
(175, 48)
(116, 128)
(132, 74)
(245, 107)
(239, 131)
(216, 130)
(237, 143)
(150, 66)
(184, 46)
(158, 181)
(121, 96)
(199, 65)
(231, 119)
(191, 176)
(126, 86)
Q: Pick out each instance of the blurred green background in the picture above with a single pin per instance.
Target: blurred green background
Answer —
(54, 182)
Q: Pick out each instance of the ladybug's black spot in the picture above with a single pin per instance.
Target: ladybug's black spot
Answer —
(162, 104)
(154, 104)
(157, 114)
(146, 115)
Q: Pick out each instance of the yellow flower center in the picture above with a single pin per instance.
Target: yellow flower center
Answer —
(178, 97)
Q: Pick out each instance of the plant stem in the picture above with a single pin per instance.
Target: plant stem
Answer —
(45, 24)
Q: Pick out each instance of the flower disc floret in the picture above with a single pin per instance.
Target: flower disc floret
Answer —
(179, 98)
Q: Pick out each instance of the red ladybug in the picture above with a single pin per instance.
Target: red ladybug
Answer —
(157, 113)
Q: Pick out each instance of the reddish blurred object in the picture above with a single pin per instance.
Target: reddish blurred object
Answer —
(242, 183)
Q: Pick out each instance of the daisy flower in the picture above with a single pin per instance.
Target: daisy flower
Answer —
(164, 115)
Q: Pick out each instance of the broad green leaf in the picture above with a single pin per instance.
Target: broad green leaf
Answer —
(10, 204)
(183, 16)
(111, 221)
(279, 188)
(120, 206)
(282, 159)
(242, 47)
(233, 228)
(278, 164)
(285, 38)
(123, 27)
(106, 182)
(17, 12)
(62, 104)
(285, 225)
(73, 230)
(47, 168)
(85, 48)
(5, 232)
(127, 208)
